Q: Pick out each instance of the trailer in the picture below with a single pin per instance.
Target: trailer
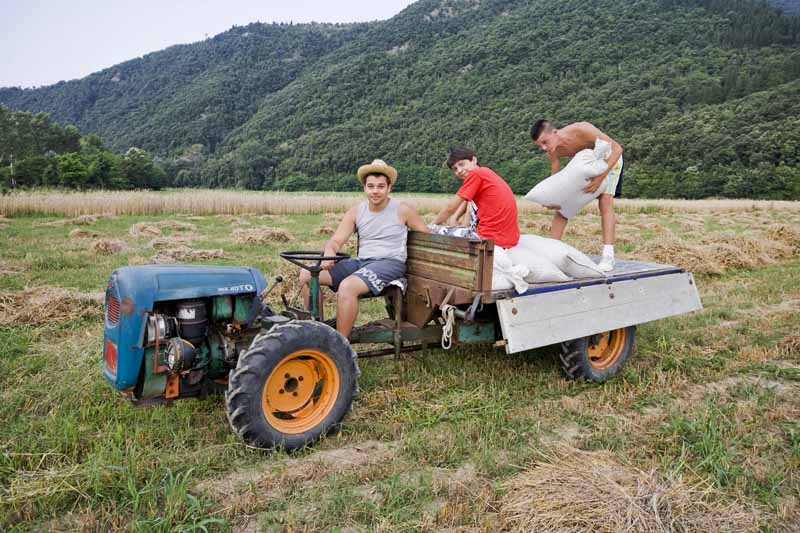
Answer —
(449, 300)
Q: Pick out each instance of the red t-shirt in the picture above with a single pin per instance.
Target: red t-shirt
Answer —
(497, 207)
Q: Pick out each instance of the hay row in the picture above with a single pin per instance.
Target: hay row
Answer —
(46, 305)
(206, 202)
(82, 220)
(261, 235)
(184, 253)
(715, 253)
(572, 490)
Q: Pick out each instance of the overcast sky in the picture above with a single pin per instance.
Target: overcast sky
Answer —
(45, 41)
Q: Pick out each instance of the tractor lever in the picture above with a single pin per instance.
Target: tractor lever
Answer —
(278, 279)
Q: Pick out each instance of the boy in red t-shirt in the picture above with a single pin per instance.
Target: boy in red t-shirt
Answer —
(497, 207)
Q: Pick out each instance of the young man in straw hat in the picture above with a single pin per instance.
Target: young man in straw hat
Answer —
(382, 224)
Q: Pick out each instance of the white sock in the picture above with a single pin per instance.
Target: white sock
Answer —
(608, 251)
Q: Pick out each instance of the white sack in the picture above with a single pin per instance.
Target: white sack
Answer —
(505, 274)
(565, 188)
(542, 269)
(569, 260)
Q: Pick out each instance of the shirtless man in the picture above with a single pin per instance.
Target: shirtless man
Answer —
(568, 141)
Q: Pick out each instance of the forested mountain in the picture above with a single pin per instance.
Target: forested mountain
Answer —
(791, 7)
(703, 95)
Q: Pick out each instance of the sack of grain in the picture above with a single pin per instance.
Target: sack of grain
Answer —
(540, 268)
(569, 260)
(565, 188)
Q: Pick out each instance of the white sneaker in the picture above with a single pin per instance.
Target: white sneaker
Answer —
(606, 264)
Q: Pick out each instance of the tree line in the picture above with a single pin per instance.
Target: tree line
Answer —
(37, 152)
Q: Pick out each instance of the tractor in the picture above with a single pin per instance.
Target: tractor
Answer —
(289, 378)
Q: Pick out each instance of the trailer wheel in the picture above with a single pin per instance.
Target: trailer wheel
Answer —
(292, 386)
(597, 357)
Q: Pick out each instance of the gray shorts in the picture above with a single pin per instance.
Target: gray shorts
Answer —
(375, 273)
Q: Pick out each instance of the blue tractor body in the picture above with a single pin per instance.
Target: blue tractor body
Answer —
(210, 310)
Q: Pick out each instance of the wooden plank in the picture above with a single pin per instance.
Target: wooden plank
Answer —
(486, 268)
(445, 257)
(465, 278)
(442, 241)
(421, 287)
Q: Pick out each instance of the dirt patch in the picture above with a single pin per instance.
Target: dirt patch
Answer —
(184, 253)
(465, 481)
(572, 490)
(261, 235)
(46, 305)
(81, 233)
(107, 247)
(721, 389)
(144, 229)
(565, 434)
(244, 489)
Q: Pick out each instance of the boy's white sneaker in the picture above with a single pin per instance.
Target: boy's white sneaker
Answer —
(606, 264)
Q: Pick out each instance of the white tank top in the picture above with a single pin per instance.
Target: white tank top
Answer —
(381, 235)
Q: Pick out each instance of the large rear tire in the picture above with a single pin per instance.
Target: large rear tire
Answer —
(292, 386)
(597, 357)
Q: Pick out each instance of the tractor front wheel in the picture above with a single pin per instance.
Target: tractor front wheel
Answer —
(597, 357)
(292, 386)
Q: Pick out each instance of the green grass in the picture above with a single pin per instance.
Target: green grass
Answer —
(74, 454)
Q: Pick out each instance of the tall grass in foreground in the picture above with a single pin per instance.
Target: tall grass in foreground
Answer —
(207, 202)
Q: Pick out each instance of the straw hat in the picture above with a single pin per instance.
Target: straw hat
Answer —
(378, 166)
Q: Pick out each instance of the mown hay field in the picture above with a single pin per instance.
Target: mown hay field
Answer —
(700, 432)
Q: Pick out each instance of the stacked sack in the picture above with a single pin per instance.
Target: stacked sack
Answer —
(538, 259)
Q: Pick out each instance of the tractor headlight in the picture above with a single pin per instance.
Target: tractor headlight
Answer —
(181, 355)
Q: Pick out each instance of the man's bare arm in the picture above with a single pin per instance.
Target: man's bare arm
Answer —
(555, 162)
(448, 211)
(411, 218)
(459, 214)
(346, 228)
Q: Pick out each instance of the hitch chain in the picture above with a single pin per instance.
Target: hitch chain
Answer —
(448, 312)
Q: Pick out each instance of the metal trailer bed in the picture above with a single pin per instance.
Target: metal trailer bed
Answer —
(634, 292)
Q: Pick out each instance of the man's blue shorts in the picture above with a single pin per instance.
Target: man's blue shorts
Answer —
(375, 273)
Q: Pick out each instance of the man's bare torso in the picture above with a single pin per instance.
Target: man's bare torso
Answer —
(576, 137)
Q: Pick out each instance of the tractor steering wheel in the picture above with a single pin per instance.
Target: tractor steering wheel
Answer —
(301, 258)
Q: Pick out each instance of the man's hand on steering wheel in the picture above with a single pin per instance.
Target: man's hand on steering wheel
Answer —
(318, 260)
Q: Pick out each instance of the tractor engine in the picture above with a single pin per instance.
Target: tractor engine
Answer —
(174, 331)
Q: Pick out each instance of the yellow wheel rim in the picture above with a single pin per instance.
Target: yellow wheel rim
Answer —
(300, 391)
(604, 350)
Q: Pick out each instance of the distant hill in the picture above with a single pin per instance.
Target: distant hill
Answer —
(301, 106)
